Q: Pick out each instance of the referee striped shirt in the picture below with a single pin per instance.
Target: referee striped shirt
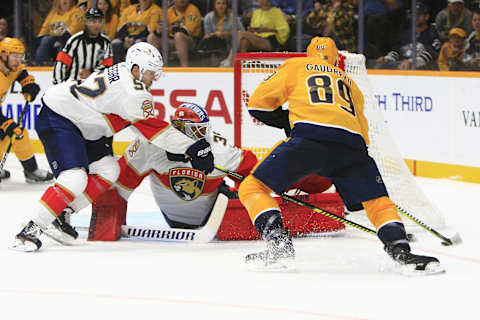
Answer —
(82, 52)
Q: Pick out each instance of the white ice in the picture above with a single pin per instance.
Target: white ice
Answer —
(344, 277)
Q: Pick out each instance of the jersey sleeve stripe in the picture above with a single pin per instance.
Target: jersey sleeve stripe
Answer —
(116, 123)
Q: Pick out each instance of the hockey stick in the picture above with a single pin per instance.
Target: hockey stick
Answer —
(14, 136)
(456, 239)
(306, 205)
(201, 235)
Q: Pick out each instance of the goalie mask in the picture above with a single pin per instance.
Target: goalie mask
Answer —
(192, 120)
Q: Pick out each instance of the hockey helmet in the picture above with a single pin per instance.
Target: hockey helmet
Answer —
(192, 120)
(323, 48)
(146, 57)
(12, 45)
(94, 13)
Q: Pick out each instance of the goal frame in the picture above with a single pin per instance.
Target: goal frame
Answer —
(237, 85)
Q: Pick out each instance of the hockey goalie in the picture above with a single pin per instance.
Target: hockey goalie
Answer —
(189, 198)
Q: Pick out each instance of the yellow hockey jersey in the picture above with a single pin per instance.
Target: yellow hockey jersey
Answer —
(7, 79)
(324, 103)
(137, 22)
(190, 20)
(55, 24)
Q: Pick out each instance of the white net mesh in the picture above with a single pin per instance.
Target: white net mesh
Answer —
(400, 183)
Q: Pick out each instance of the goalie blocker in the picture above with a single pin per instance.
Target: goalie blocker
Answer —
(228, 220)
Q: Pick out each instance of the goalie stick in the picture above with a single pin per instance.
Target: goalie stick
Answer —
(201, 235)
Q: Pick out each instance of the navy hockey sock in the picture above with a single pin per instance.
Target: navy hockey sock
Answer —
(30, 164)
(268, 221)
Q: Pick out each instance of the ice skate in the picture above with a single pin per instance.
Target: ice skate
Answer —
(28, 239)
(61, 230)
(412, 264)
(4, 174)
(280, 253)
(38, 176)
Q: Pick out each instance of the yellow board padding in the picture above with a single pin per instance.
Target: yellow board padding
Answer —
(255, 196)
(380, 211)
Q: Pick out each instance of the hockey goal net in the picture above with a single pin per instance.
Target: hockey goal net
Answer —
(251, 68)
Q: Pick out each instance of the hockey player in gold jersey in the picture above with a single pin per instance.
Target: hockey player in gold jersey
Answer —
(12, 69)
(329, 137)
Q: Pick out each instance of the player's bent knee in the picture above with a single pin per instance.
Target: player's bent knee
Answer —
(255, 196)
(107, 168)
(74, 180)
(381, 211)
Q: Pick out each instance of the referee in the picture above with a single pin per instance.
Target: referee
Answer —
(85, 52)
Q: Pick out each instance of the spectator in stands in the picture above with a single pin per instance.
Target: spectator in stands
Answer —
(268, 31)
(217, 28)
(83, 5)
(184, 30)
(383, 20)
(472, 51)
(289, 9)
(85, 52)
(335, 19)
(136, 22)
(428, 45)
(246, 7)
(119, 5)
(452, 53)
(455, 15)
(63, 20)
(3, 28)
(111, 18)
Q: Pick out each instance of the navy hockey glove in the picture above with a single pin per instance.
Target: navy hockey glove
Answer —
(8, 127)
(201, 156)
(30, 91)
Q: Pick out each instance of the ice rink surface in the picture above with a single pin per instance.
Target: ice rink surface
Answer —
(345, 277)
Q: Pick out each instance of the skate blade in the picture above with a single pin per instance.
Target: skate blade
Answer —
(281, 265)
(26, 246)
(432, 268)
(59, 237)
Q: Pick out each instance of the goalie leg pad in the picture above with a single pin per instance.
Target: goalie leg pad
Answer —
(109, 213)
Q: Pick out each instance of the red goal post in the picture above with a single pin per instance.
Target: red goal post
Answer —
(251, 68)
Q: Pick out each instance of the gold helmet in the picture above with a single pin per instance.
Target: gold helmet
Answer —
(323, 48)
(12, 45)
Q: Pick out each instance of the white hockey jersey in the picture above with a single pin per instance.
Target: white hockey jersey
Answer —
(110, 100)
(183, 194)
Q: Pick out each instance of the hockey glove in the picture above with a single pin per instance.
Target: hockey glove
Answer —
(8, 128)
(231, 193)
(201, 156)
(30, 91)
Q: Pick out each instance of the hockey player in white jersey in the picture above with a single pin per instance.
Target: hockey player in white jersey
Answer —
(184, 194)
(77, 119)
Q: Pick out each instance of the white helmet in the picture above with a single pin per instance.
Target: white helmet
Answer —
(146, 57)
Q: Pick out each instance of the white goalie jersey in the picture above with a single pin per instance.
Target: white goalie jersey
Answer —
(183, 194)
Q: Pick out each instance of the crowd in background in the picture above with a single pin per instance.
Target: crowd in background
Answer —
(200, 31)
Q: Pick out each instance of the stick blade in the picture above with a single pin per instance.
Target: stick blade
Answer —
(455, 240)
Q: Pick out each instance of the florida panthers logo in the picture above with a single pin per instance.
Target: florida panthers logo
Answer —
(186, 183)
